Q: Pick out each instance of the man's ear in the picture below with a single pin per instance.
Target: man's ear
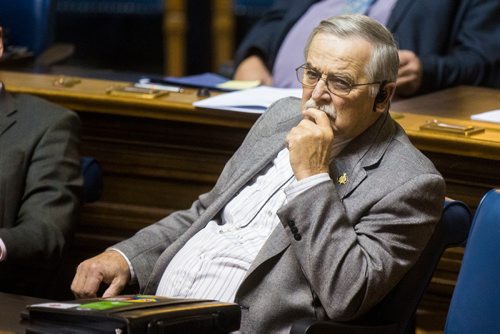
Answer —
(384, 96)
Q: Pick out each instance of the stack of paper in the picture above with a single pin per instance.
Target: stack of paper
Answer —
(492, 116)
(254, 100)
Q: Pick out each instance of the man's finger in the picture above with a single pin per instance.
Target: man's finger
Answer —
(319, 117)
(114, 289)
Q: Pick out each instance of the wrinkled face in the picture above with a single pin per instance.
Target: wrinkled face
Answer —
(346, 59)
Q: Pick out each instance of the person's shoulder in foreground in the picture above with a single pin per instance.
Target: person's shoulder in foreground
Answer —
(40, 172)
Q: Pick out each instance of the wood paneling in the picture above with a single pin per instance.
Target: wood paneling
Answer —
(175, 34)
(175, 37)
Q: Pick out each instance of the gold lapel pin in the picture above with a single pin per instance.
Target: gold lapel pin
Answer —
(342, 179)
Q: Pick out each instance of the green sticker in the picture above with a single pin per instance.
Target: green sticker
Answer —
(104, 305)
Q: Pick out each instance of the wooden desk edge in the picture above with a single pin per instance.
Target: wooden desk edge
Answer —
(90, 96)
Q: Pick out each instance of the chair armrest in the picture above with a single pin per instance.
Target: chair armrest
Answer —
(312, 326)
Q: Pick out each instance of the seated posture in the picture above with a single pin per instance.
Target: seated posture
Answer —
(442, 43)
(319, 213)
(40, 184)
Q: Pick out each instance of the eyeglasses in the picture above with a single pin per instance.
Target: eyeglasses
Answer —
(309, 77)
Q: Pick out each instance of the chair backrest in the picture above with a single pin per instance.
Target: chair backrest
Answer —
(475, 304)
(92, 179)
(28, 23)
(400, 305)
(395, 313)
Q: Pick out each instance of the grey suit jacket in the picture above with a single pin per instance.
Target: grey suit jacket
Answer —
(40, 181)
(355, 241)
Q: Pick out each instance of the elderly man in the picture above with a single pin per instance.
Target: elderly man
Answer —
(40, 186)
(320, 212)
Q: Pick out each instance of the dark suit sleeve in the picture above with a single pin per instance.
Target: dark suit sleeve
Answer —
(48, 209)
(458, 42)
(266, 36)
(474, 58)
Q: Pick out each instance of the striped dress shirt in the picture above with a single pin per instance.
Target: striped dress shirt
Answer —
(213, 263)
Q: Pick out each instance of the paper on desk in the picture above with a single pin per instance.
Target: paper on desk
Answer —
(239, 84)
(488, 116)
(253, 100)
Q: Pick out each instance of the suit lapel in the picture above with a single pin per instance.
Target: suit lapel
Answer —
(400, 9)
(265, 150)
(261, 152)
(7, 110)
(348, 170)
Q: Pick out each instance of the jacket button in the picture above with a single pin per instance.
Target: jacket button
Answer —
(297, 236)
(291, 223)
(294, 229)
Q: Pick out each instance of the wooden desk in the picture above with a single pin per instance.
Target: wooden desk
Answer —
(158, 155)
(11, 307)
(470, 164)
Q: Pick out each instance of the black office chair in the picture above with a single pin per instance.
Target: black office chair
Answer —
(396, 312)
(475, 304)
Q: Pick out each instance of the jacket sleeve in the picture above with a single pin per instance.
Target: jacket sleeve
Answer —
(457, 42)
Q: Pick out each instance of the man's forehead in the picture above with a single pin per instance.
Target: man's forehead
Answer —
(329, 52)
(325, 41)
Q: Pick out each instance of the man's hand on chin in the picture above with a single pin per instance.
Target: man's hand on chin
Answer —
(310, 144)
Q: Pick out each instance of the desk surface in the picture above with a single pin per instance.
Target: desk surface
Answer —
(452, 106)
(458, 102)
(89, 95)
(11, 307)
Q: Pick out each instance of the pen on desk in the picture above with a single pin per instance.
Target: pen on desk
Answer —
(174, 89)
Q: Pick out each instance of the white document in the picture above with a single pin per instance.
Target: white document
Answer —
(253, 100)
(492, 116)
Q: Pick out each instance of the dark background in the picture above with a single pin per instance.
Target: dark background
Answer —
(132, 41)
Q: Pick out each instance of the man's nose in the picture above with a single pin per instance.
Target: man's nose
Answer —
(320, 91)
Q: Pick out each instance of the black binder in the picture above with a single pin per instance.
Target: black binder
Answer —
(134, 314)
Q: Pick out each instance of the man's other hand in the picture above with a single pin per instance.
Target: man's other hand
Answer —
(253, 68)
(409, 74)
(109, 267)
